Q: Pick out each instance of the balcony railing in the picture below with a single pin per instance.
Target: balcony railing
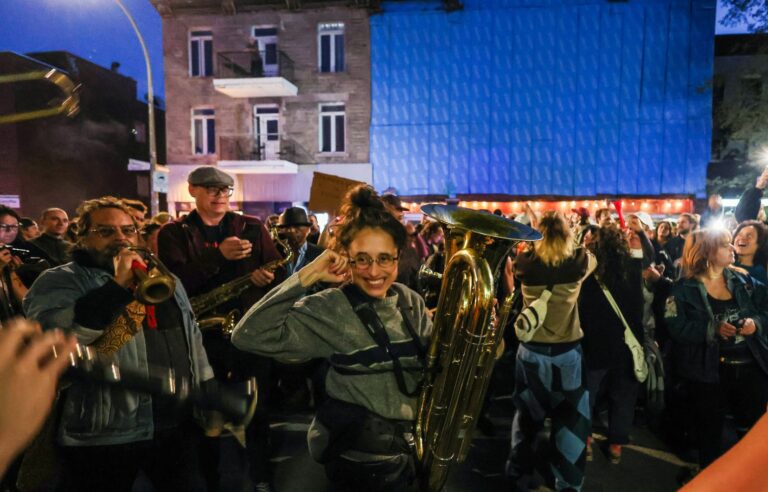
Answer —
(248, 148)
(253, 64)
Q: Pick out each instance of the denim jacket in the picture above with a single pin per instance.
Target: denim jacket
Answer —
(103, 415)
(692, 326)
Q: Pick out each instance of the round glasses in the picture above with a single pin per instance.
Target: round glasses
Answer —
(107, 232)
(363, 261)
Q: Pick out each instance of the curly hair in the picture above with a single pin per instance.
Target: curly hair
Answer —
(612, 251)
(761, 255)
(88, 207)
(362, 208)
(557, 242)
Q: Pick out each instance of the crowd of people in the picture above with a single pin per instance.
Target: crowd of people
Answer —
(341, 325)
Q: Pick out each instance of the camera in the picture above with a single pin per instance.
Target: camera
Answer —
(24, 255)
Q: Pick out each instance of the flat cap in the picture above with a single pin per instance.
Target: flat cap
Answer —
(209, 176)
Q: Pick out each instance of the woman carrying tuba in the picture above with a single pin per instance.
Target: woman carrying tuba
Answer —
(359, 434)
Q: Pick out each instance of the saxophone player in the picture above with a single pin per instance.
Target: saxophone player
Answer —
(210, 247)
(106, 435)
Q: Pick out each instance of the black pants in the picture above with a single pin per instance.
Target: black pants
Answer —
(742, 390)
(619, 385)
(170, 462)
(393, 475)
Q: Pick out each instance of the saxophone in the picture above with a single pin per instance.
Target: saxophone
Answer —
(205, 303)
(465, 340)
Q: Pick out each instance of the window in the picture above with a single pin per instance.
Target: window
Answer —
(200, 54)
(203, 131)
(751, 90)
(332, 118)
(330, 44)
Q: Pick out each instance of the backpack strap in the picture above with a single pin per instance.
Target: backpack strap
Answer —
(365, 311)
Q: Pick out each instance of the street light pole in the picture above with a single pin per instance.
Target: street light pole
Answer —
(154, 198)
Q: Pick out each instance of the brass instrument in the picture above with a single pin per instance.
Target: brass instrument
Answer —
(68, 104)
(237, 404)
(156, 284)
(464, 340)
(207, 302)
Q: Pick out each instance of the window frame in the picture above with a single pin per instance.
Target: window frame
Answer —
(332, 30)
(204, 118)
(333, 114)
(196, 37)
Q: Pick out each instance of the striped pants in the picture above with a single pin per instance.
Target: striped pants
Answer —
(549, 383)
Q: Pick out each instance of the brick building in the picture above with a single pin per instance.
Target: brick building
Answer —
(268, 93)
(740, 105)
(60, 161)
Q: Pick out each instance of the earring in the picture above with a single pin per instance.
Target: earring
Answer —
(708, 265)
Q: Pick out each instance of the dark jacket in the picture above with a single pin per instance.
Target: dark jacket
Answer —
(182, 249)
(56, 250)
(313, 251)
(692, 326)
(749, 205)
(603, 340)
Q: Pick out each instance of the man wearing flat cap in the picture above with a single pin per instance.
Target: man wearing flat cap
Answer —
(206, 249)
(294, 226)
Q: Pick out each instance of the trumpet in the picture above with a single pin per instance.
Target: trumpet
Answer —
(156, 283)
(68, 103)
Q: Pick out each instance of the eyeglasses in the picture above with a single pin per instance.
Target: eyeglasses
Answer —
(215, 191)
(364, 261)
(109, 231)
(9, 227)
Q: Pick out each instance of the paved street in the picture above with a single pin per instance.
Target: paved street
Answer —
(646, 464)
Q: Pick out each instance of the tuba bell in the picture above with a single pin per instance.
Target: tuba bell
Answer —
(465, 340)
(156, 283)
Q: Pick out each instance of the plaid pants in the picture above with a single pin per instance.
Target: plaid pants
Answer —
(552, 386)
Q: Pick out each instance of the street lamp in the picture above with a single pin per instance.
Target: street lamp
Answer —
(154, 200)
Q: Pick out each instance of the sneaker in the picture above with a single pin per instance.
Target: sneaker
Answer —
(614, 453)
(590, 456)
(262, 487)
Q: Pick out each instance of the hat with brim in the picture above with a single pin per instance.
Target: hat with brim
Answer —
(209, 176)
(293, 216)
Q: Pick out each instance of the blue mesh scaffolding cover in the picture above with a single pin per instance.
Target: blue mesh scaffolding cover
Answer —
(542, 97)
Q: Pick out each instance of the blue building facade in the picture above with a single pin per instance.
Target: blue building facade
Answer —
(572, 98)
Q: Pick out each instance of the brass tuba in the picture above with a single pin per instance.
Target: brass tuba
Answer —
(464, 340)
(156, 284)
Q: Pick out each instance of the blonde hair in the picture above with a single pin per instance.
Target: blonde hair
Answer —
(557, 244)
(700, 247)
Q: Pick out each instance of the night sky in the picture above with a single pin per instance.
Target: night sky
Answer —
(96, 30)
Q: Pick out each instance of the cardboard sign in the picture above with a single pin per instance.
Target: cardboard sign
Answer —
(328, 191)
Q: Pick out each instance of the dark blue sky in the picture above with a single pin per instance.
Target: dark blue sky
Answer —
(95, 30)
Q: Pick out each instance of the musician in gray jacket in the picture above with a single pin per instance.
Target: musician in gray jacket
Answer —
(106, 434)
(375, 368)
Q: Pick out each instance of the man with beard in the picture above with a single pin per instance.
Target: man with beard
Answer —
(54, 223)
(686, 224)
(105, 434)
(210, 247)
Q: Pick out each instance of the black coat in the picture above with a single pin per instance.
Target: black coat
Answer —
(603, 341)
